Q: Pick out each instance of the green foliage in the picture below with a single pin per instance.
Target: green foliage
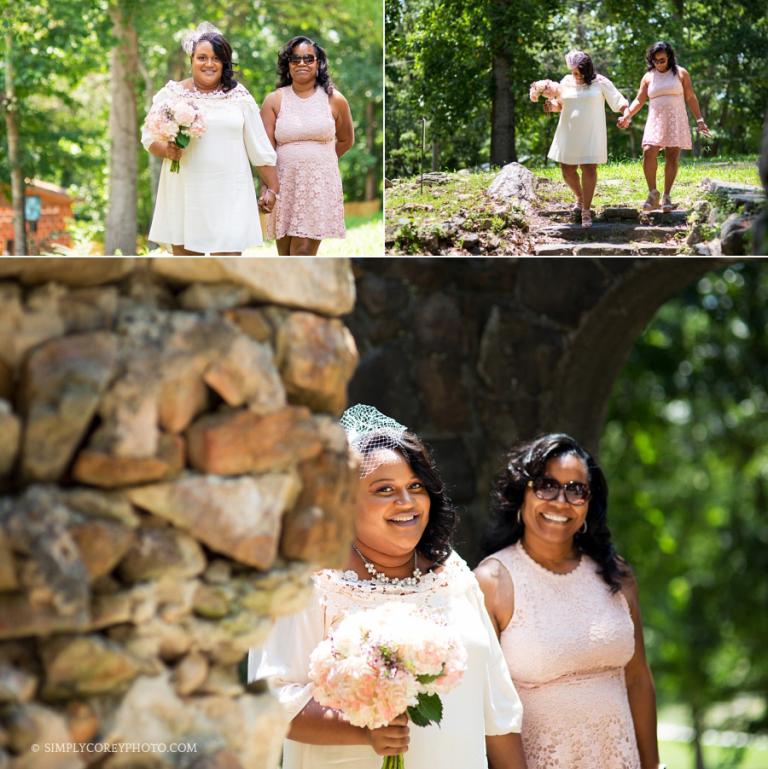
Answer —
(685, 444)
(441, 56)
(427, 710)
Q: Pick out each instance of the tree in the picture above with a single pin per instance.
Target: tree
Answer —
(121, 226)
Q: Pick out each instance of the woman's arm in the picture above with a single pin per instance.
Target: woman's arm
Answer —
(692, 101)
(637, 104)
(269, 109)
(498, 593)
(505, 751)
(318, 725)
(345, 129)
(640, 689)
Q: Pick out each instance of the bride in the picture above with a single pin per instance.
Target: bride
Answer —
(401, 552)
(210, 205)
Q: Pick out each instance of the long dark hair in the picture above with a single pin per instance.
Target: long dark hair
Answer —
(661, 47)
(283, 69)
(436, 542)
(528, 460)
(586, 67)
(223, 51)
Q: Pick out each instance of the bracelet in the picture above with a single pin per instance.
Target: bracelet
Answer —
(276, 194)
(699, 119)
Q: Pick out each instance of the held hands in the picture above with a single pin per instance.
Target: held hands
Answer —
(624, 121)
(552, 105)
(701, 127)
(392, 739)
(267, 200)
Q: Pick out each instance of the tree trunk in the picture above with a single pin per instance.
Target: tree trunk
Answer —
(123, 161)
(760, 227)
(17, 173)
(502, 113)
(697, 730)
(155, 163)
(371, 177)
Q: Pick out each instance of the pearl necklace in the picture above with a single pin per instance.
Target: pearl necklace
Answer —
(380, 576)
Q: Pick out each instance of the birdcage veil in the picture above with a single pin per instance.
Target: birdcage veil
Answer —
(190, 37)
(369, 432)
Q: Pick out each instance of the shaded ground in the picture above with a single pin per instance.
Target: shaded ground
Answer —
(452, 214)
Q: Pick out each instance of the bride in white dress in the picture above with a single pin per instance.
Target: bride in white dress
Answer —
(403, 529)
(210, 205)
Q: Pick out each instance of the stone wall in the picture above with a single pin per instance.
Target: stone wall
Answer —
(171, 472)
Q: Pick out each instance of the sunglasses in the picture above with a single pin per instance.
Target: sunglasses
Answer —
(308, 59)
(548, 489)
(659, 61)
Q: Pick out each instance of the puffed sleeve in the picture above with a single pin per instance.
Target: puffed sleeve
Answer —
(284, 658)
(612, 95)
(502, 707)
(260, 150)
(162, 95)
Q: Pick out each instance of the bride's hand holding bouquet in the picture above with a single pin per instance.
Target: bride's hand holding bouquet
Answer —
(175, 122)
(380, 664)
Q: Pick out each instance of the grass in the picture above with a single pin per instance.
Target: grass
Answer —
(622, 182)
(679, 755)
(365, 237)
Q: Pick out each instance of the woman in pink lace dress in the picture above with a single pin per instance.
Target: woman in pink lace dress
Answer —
(565, 607)
(310, 124)
(668, 87)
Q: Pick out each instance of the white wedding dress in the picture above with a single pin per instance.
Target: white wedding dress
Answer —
(210, 205)
(484, 703)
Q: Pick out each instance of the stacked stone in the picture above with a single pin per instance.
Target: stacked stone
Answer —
(171, 471)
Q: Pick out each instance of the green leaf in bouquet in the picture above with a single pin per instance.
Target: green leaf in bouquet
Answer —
(182, 140)
(427, 679)
(428, 709)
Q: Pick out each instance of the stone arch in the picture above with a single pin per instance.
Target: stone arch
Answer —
(474, 354)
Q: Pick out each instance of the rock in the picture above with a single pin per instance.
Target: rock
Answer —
(22, 329)
(318, 529)
(514, 183)
(10, 435)
(35, 725)
(88, 309)
(219, 572)
(471, 242)
(16, 685)
(82, 721)
(214, 296)
(19, 618)
(317, 358)
(62, 383)
(101, 544)
(584, 249)
(624, 213)
(554, 249)
(246, 373)
(435, 177)
(85, 665)
(107, 471)
(729, 188)
(8, 577)
(162, 552)
(223, 681)
(190, 673)
(182, 396)
(251, 322)
(211, 602)
(657, 249)
(72, 271)
(444, 396)
(439, 325)
(36, 525)
(387, 183)
(322, 285)
(6, 381)
(239, 517)
(379, 296)
(733, 235)
(242, 442)
(107, 505)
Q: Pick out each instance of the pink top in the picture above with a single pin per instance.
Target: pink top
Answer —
(667, 124)
(664, 84)
(566, 646)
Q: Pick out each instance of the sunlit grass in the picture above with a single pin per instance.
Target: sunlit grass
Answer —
(680, 755)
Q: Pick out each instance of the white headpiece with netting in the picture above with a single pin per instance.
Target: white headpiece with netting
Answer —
(359, 422)
(192, 36)
(573, 57)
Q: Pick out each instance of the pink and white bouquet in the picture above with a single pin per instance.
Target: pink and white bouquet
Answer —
(177, 120)
(379, 663)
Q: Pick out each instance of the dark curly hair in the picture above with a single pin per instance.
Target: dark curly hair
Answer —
(436, 542)
(586, 67)
(223, 51)
(283, 68)
(661, 47)
(528, 460)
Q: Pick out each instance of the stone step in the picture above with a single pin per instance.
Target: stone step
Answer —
(620, 214)
(606, 249)
(611, 231)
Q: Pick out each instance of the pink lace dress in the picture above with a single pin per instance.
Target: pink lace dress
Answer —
(667, 124)
(566, 646)
(311, 201)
